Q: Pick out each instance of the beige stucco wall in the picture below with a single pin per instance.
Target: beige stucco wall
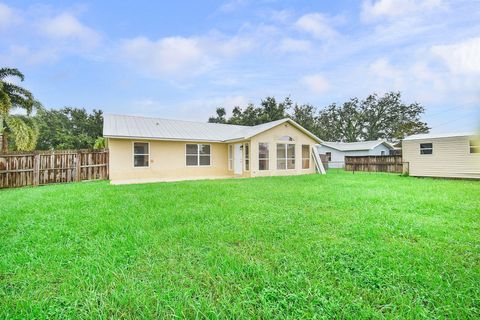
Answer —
(272, 138)
(167, 161)
(451, 158)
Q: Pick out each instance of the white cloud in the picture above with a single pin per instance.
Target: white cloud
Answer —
(383, 69)
(67, 27)
(394, 8)
(462, 57)
(173, 56)
(232, 5)
(294, 45)
(7, 17)
(316, 83)
(316, 24)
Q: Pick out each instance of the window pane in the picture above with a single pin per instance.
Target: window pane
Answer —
(192, 148)
(280, 151)
(204, 149)
(474, 149)
(140, 161)
(263, 150)
(329, 156)
(306, 164)
(291, 151)
(204, 160)
(426, 151)
(305, 151)
(281, 164)
(247, 165)
(425, 145)
(140, 148)
(192, 160)
(290, 164)
(263, 164)
(247, 151)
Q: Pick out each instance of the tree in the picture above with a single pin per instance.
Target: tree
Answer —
(373, 118)
(22, 128)
(68, 128)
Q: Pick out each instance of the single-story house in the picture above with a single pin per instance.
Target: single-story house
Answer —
(336, 151)
(146, 149)
(443, 155)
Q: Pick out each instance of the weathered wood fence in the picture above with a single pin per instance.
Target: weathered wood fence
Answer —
(20, 169)
(374, 163)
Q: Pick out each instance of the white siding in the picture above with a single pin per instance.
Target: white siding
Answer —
(451, 158)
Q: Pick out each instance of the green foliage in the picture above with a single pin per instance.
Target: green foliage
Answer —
(22, 128)
(335, 246)
(100, 143)
(373, 118)
(68, 128)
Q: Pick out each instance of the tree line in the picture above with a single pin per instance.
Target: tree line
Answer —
(375, 117)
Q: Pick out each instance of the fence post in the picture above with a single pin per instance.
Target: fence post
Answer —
(78, 167)
(36, 169)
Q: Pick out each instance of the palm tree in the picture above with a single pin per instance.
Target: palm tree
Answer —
(23, 129)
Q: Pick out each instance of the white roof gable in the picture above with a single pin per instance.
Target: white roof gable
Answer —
(356, 146)
(123, 126)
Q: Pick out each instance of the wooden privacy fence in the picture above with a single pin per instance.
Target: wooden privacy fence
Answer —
(374, 163)
(45, 167)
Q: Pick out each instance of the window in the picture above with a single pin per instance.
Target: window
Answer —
(141, 154)
(475, 146)
(247, 157)
(197, 154)
(263, 155)
(382, 152)
(305, 156)
(230, 157)
(329, 156)
(426, 148)
(285, 156)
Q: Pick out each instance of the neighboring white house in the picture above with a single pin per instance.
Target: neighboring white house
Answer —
(336, 151)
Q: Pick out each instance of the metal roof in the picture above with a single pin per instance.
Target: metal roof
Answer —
(125, 126)
(440, 135)
(356, 146)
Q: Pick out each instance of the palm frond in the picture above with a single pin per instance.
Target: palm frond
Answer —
(11, 72)
(25, 136)
(19, 97)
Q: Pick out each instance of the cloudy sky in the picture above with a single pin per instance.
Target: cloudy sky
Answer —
(182, 59)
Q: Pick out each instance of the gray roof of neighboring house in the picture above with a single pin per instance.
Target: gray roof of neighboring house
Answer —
(124, 126)
(440, 135)
(356, 146)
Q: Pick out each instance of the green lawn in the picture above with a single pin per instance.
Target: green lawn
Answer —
(336, 246)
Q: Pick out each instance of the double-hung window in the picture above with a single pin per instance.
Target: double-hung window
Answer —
(197, 155)
(305, 156)
(263, 155)
(141, 154)
(247, 156)
(426, 148)
(285, 156)
(475, 146)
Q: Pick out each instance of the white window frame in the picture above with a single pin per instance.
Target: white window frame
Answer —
(286, 156)
(267, 158)
(423, 149)
(230, 157)
(474, 144)
(198, 155)
(329, 156)
(309, 157)
(246, 156)
(141, 154)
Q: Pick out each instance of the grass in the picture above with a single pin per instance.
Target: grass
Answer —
(336, 246)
